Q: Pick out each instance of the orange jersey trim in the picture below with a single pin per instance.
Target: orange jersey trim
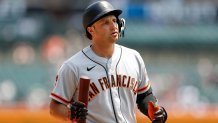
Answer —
(144, 88)
(60, 98)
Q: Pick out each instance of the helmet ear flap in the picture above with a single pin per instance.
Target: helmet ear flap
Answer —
(122, 26)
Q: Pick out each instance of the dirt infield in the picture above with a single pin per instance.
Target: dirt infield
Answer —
(42, 116)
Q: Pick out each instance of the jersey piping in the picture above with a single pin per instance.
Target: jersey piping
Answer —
(60, 98)
(144, 88)
(108, 80)
(118, 87)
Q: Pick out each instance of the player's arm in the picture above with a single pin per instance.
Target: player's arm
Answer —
(146, 101)
(73, 111)
(58, 110)
(157, 114)
(143, 99)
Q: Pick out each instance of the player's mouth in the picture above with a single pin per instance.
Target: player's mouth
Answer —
(114, 33)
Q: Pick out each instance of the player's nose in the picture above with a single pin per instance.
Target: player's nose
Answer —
(114, 25)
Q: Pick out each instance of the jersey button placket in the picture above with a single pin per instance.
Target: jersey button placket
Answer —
(109, 67)
(111, 71)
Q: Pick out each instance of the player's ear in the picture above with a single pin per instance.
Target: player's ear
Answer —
(90, 29)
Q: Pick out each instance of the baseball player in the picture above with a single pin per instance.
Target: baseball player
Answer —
(119, 83)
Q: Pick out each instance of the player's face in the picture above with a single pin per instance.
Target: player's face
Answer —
(106, 29)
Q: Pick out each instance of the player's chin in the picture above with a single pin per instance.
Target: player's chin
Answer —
(115, 37)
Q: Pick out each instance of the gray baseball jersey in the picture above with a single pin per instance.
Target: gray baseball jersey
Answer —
(114, 85)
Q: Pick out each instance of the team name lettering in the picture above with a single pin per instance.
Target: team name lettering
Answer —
(122, 81)
(93, 91)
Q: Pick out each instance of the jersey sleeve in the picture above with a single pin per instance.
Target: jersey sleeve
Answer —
(65, 86)
(144, 84)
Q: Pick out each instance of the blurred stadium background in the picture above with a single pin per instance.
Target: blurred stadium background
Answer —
(178, 40)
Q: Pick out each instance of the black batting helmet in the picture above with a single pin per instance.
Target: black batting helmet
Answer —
(96, 11)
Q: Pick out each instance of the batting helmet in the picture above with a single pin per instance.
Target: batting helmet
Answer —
(96, 11)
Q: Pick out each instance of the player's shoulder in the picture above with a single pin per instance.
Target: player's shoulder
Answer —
(127, 50)
(76, 58)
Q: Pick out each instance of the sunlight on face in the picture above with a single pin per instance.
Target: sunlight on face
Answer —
(106, 29)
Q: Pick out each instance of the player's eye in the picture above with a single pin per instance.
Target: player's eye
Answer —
(106, 22)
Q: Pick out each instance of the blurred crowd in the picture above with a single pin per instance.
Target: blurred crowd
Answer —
(36, 36)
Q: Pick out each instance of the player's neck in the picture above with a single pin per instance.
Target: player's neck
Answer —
(103, 51)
